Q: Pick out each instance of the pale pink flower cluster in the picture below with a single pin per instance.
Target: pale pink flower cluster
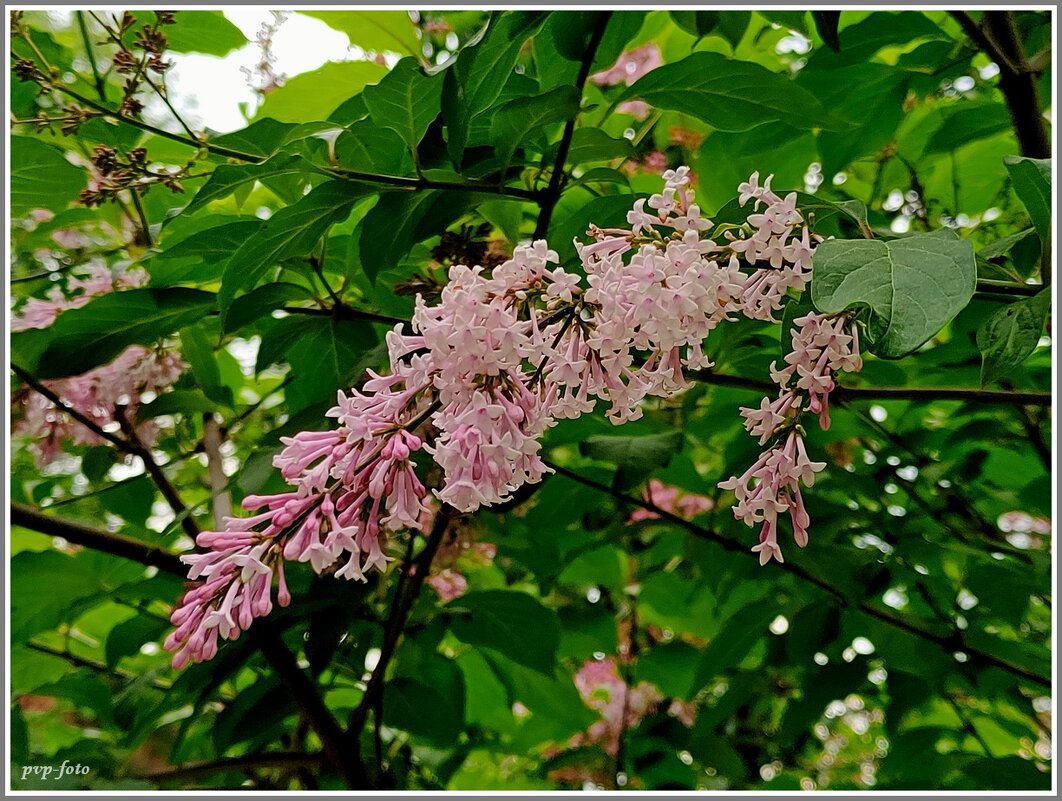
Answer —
(621, 706)
(782, 256)
(822, 346)
(686, 505)
(479, 378)
(350, 486)
(99, 393)
(629, 67)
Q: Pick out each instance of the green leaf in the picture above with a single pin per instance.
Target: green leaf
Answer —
(293, 232)
(367, 147)
(1032, 182)
(517, 119)
(228, 179)
(95, 333)
(422, 710)
(327, 354)
(967, 122)
(697, 23)
(1008, 337)
(259, 302)
(1001, 247)
(127, 637)
(207, 32)
(793, 20)
(511, 623)
(41, 177)
(315, 95)
(826, 25)
(179, 401)
(643, 452)
(737, 636)
(914, 286)
(378, 31)
(202, 255)
(481, 70)
(199, 353)
(406, 101)
(264, 137)
(727, 94)
(593, 144)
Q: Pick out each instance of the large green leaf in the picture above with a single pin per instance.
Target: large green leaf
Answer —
(199, 353)
(649, 451)
(202, 255)
(727, 94)
(314, 95)
(228, 179)
(406, 101)
(198, 31)
(511, 623)
(1008, 337)
(95, 333)
(516, 120)
(1032, 182)
(293, 232)
(366, 147)
(378, 31)
(913, 286)
(481, 70)
(966, 122)
(41, 177)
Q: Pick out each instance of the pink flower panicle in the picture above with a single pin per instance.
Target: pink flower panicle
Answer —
(822, 346)
(485, 371)
(620, 706)
(101, 392)
(686, 505)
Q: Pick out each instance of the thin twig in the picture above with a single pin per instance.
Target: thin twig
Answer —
(101, 86)
(1026, 398)
(277, 759)
(402, 605)
(553, 191)
(950, 642)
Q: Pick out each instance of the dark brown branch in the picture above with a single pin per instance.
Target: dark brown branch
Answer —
(343, 758)
(97, 539)
(950, 642)
(157, 475)
(999, 40)
(842, 394)
(86, 421)
(986, 286)
(93, 665)
(405, 596)
(277, 759)
(549, 198)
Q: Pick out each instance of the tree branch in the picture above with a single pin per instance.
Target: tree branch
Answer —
(549, 198)
(950, 642)
(889, 393)
(402, 606)
(998, 38)
(97, 539)
(278, 759)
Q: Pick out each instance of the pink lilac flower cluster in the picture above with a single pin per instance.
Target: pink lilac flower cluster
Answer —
(686, 505)
(823, 345)
(100, 393)
(478, 379)
(621, 706)
(629, 67)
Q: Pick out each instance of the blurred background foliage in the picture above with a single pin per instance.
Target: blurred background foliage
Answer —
(908, 647)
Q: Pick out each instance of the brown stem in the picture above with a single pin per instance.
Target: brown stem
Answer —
(279, 759)
(402, 606)
(218, 482)
(950, 642)
(889, 393)
(549, 198)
